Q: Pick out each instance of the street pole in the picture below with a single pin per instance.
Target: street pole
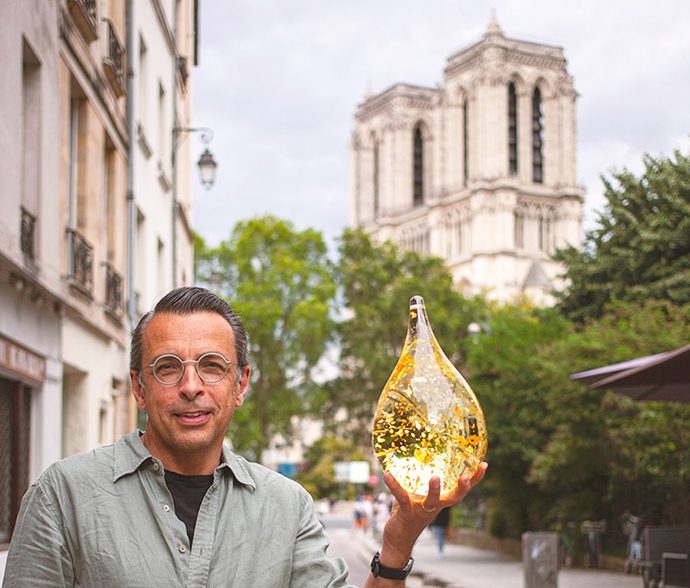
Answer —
(206, 136)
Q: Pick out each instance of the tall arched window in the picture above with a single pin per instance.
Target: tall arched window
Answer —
(418, 167)
(519, 229)
(537, 138)
(545, 233)
(459, 235)
(465, 142)
(512, 130)
(375, 178)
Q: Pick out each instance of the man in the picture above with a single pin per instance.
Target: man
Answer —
(172, 506)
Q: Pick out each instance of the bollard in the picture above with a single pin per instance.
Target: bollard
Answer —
(540, 560)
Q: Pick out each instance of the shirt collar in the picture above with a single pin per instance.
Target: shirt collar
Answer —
(238, 467)
(131, 454)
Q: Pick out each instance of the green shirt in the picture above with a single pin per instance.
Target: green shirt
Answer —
(106, 519)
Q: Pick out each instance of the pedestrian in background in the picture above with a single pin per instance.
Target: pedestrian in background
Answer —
(439, 528)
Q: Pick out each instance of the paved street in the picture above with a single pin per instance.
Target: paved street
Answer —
(466, 567)
(347, 543)
(461, 567)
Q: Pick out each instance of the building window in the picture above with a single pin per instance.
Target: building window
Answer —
(142, 95)
(418, 167)
(163, 128)
(80, 250)
(459, 237)
(376, 177)
(512, 130)
(465, 142)
(15, 413)
(519, 230)
(30, 150)
(544, 234)
(537, 138)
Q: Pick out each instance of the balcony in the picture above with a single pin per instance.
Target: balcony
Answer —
(114, 61)
(28, 235)
(113, 292)
(80, 262)
(183, 69)
(85, 17)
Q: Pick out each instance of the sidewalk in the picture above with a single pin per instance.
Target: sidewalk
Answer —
(467, 567)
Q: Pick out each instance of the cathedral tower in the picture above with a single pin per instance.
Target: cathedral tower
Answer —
(479, 170)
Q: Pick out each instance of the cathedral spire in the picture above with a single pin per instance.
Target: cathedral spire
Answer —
(368, 92)
(493, 28)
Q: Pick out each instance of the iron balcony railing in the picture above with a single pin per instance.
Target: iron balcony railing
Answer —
(28, 234)
(80, 261)
(113, 290)
(114, 61)
(85, 16)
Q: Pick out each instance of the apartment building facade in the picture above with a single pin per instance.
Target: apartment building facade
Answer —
(82, 230)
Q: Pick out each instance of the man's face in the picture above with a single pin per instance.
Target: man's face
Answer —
(187, 420)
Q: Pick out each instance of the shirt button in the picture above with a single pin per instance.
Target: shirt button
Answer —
(156, 467)
(166, 508)
(182, 548)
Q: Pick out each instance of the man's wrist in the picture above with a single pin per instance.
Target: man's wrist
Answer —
(393, 558)
(389, 571)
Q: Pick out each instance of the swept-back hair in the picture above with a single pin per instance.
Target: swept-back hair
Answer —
(188, 300)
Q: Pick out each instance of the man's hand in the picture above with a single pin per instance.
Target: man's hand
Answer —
(412, 514)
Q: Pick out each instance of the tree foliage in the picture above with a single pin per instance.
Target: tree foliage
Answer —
(504, 364)
(559, 451)
(280, 282)
(318, 477)
(641, 247)
(376, 283)
(609, 453)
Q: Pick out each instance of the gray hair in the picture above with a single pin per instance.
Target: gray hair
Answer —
(188, 300)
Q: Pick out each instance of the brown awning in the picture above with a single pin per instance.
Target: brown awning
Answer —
(662, 376)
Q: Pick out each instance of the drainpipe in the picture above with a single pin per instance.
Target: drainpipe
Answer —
(173, 150)
(72, 183)
(131, 205)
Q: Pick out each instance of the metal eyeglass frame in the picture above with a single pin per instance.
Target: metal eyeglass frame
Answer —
(195, 362)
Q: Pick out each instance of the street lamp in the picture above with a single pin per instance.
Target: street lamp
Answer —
(207, 169)
(207, 172)
(207, 163)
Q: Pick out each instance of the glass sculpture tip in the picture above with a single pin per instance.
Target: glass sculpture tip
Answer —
(417, 302)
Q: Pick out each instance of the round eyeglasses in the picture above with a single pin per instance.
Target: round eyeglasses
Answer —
(210, 367)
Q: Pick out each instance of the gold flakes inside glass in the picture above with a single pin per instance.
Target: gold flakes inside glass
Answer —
(428, 421)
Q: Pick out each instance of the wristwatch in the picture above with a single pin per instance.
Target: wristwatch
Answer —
(379, 570)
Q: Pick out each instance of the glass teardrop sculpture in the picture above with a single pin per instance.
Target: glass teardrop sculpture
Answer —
(428, 421)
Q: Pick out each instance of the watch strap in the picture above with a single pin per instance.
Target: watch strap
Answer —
(379, 570)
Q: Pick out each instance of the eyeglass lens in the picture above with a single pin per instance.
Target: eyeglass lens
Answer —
(211, 367)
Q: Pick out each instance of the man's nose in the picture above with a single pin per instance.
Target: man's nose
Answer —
(191, 385)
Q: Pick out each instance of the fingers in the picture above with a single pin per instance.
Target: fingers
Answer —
(433, 500)
(399, 493)
(464, 485)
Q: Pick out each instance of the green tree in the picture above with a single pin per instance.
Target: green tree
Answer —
(318, 476)
(504, 363)
(280, 282)
(559, 451)
(376, 283)
(608, 453)
(641, 247)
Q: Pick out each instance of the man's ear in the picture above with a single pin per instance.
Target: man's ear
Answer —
(138, 388)
(242, 386)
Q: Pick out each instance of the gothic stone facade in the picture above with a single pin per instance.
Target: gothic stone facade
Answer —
(479, 170)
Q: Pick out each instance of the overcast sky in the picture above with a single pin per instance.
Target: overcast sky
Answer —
(279, 81)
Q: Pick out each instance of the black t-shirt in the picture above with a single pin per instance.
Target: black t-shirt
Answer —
(187, 493)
